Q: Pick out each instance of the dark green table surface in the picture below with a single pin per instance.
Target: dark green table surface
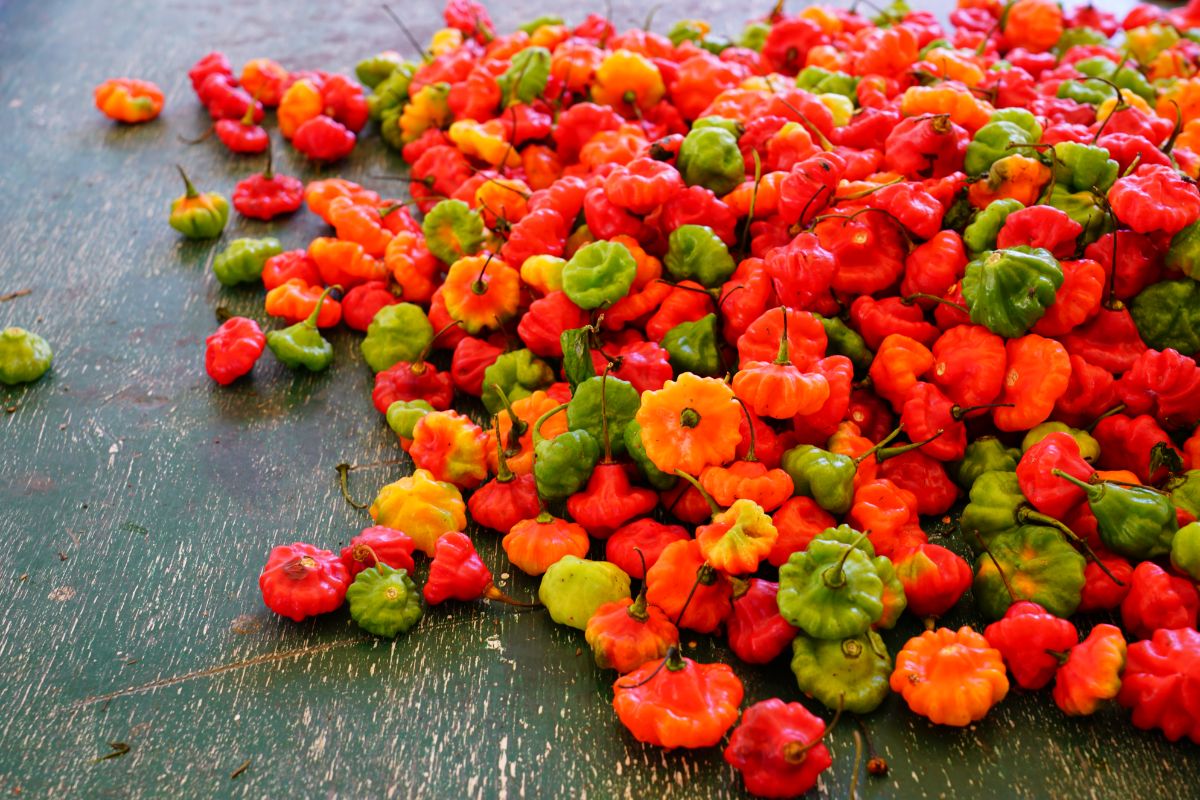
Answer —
(138, 501)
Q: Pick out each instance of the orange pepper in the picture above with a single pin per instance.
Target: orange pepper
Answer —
(1189, 137)
(344, 263)
(669, 582)
(882, 508)
(954, 65)
(1076, 300)
(765, 202)
(129, 100)
(264, 79)
(747, 480)
(541, 164)
(627, 79)
(451, 447)
(1185, 94)
(737, 539)
(826, 56)
(528, 410)
(685, 705)
(690, 423)
(534, 545)
(899, 364)
(618, 146)
(1036, 25)
(649, 268)
(951, 677)
(412, 266)
(487, 141)
(481, 292)
(1039, 371)
(1015, 176)
(300, 103)
(739, 104)
(359, 223)
(947, 98)
(294, 300)
(502, 200)
(319, 194)
(505, 47)
(574, 62)
(549, 36)
(779, 389)
(828, 21)
(1118, 475)
(884, 51)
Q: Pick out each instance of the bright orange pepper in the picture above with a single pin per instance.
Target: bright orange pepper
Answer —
(264, 79)
(899, 364)
(947, 98)
(481, 292)
(766, 202)
(1019, 177)
(1039, 371)
(502, 199)
(294, 300)
(625, 78)
(574, 62)
(359, 223)
(1036, 25)
(319, 194)
(951, 677)
(534, 545)
(129, 100)
(300, 103)
(541, 164)
(412, 266)
(345, 263)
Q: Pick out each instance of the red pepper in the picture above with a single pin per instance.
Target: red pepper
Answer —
(805, 337)
(441, 320)
(1165, 385)
(747, 294)
(471, 18)
(1138, 262)
(215, 63)
(1158, 599)
(869, 250)
(266, 195)
(361, 303)
(609, 501)
(802, 273)
(778, 749)
(911, 205)
(1126, 443)
(757, 633)
(925, 412)
(786, 49)
(471, 358)
(687, 302)
(1025, 637)
(413, 380)
(376, 545)
(798, 520)
(953, 311)
(815, 428)
(1110, 340)
(458, 573)
(926, 147)
(646, 535)
(289, 264)
(646, 365)
(232, 350)
(605, 219)
(934, 578)
(324, 139)
(224, 99)
(300, 581)
(1161, 683)
(540, 232)
(1091, 391)
(934, 266)
(1046, 492)
(1154, 198)
(684, 502)
(1126, 148)
(680, 573)
(578, 124)
(875, 320)
(871, 413)
(868, 129)
(925, 477)
(242, 135)
(542, 326)
(969, 365)
(1040, 226)
(1076, 300)
(1101, 592)
(809, 187)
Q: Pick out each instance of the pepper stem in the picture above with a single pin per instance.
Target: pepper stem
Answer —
(503, 473)
(891, 452)
(479, 287)
(187, 183)
(795, 752)
(494, 594)
(673, 661)
(879, 445)
(908, 300)
(840, 567)
(269, 172)
(604, 415)
(1025, 514)
(782, 358)
(958, 412)
(1091, 489)
(537, 426)
(712, 504)
(518, 427)
(343, 471)
(638, 609)
(311, 322)
(750, 456)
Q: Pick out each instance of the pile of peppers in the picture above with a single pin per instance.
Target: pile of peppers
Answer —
(734, 323)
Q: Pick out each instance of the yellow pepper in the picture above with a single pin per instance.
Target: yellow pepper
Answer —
(953, 65)
(427, 109)
(625, 78)
(543, 273)
(962, 107)
(422, 507)
(840, 106)
(1105, 109)
(300, 103)
(444, 40)
(829, 22)
(485, 141)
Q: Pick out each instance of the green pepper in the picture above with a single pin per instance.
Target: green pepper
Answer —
(710, 157)
(1080, 167)
(637, 452)
(1023, 119)
(526, 77)
(1147, 41)
(562, 465)
(1127, 78)
(687, 30)
(1134, 521)
(1091, 93)
(695, 253)
(997, 507)
(894, 599)
(845, 341)
(754, 36)
(391, 93)
(826, 477)
(985, 454)
(1167, 314)
(375, 70)
(693, 346)
(1184, 254)
(242, 261)
(847, 535)
(716, 44)
(993, 142)
(1076, 37)
(724, 123)
(1009, 290)
(403, 416)
(24, 356)
(519, 373)
(981, 234)
(1029, 563)
(399, 332)
(384, 601)
(1089, 448)
(577, 364)
(621, 403)
(573, 588)
(1185, 550)
(301, 345)
(1185, 491)
(452, 229)
(599, 274)
(850, 673)
(196, 215)
(540, 22)
(823, 81)
(830, 590)
(1085, 207)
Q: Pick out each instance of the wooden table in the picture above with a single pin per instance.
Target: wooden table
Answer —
(139, 501)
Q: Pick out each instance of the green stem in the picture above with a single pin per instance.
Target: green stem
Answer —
(840, 568)
(537, 426)
(191, 192)
(503, 473)
(879, 445)
(891, 452)
(750, 456)
(782, 358)
(311, 322)
(712, 504)
(604, 415)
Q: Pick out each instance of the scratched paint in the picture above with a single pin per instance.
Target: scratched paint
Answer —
(164, 494)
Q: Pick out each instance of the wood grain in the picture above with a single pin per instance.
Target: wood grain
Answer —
(138, 501)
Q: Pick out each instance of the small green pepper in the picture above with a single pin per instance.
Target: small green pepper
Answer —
(1089, 448)
(1075, 37)
(830, 590)
(540, 22)
(1080, 167)
(1085, 207)
(384, 601)
(847, 535)
(562, 465)
(1091, 93)
(637, 452)
(24, 356)
(1135, 521)
(997, 507)
(519, 373)
(1127, 78)
(1167, 314)
(403, 416)
(1009, 290)
(695, 252)
(392, 92)
(724, 123)
(687, 30)
(710, 157)
(399, 332)
(375, 70)
(1185, 491)
(599, 274)
(452, 230)
(993, 142)
(242, 261)
(1147, 41)
(845, 341)
(1023, 119)
(754, 36)
(621, 403)
(1185, 550)
(693, 346)
(573, 588)
(826, 477)
(1184, 254)
(301, 345)
(823, 81)
(981, 234)
(850, 673)
(526, 77)
(985, 454)
(1029, 563)
(196, 215)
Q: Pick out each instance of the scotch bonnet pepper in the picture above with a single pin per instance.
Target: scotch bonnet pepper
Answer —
(24, 356)
(196, 215)
(1009, 290)
(242, 261)
(384, 601)
(301, 345)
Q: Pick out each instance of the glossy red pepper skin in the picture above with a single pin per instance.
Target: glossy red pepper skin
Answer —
(300, 581)
(232, 350)
(1040, 226)
(802, 273)
(687, 302)
(1165, 385)
(757, 633)
(240, 137)
(926, 147)
(542, 326)
(934, 578)
(969, 363)
(1161, 683)
(1158, 599)
(456, 572)
(1100, 592)
(1091, 391)
(323, 138)
(925, 412)
(869, 250)
(1138, 261)
(1047, 492)
(1109, 340)
(290, 264)
(609, 501)
(224, 99)
(379, 544)
(925, 477)
(647, 535)
(773, 749)
(265, 197)
(1126, 443)
(471, 358)
(408, 381)
(214, 63)
(1024, 636)
(361, 303)
(875, 320)
(500, 504)
(798, 520)
(932, 267)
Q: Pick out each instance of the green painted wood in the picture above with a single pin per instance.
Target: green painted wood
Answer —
(139, 501)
